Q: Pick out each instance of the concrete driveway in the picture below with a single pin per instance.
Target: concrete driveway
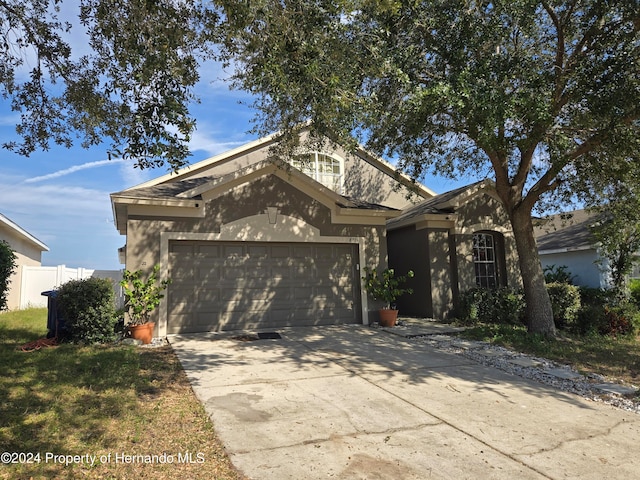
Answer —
(356, 403)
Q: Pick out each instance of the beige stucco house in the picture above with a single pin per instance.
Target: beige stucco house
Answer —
(253, 241)
(28, 250)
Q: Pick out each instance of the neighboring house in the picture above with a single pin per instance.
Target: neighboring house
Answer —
(453, 242)
(28, 250)
(250, 241)
(565, 239)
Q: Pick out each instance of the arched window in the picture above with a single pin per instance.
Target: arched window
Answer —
(485, 259)
(323, 168)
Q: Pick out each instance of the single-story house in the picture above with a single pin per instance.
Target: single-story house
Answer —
(253, 241)
(565, 239)
(28, 250)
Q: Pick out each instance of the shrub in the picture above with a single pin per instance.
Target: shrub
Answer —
(88, 309)
(557, 274)
(565, 303)
(620, 320)
(142, 296)
(596, 296)
(617, 320)
(589, 320)
(7, 266)
(634, 290)
(501, 306)
(472, 303)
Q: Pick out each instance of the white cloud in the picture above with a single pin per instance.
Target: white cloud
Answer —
(132, 176)
(207, 139)
(9, 120)
(72, 169)
(76, 223)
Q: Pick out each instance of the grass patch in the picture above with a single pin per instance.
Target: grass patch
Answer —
(617, 358)
(100, 400)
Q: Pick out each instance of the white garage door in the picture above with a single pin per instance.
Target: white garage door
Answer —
(247, 285)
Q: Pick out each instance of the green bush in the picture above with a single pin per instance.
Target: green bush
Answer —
(620, 320)
(7, 267)
(565, 303)
(557, 274)
(472, 303)
(499, 306)
(589, 320)
(634, 289)
(88, 309)
(596, 297)
(603, 319)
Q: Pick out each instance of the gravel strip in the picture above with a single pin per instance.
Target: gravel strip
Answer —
(542, 370)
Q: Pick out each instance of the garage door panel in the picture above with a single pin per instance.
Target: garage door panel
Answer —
(208, 250)
(279, 272)
(231, 272)
(182, 295)
(258, 272)
(302, 252)
(280, 251)
(244, 285)
(181, 270)
(182, 248)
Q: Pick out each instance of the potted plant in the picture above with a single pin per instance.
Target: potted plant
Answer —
(386, 287)
(141, 298)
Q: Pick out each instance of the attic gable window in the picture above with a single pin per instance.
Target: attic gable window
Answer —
(323, 168)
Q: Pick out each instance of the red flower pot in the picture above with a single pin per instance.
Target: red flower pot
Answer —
(142, 332)
(388, 317)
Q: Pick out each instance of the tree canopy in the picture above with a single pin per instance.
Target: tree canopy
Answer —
(534, 94)
(110, 69)
(617, 226)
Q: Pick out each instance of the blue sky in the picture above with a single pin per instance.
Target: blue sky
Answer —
(61, 196)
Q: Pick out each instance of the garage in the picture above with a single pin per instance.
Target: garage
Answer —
(250, 285)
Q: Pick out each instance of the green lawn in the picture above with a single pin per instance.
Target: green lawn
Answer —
(617, 358)
(100, 401)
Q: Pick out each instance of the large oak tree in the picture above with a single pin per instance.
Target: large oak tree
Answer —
(531, 93)
(95, 69)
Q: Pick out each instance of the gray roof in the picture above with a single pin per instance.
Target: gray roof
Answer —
(566, 231)
(175, 189)
(440, 204)
(167, 190)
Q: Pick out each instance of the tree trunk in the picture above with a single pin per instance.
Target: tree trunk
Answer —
(538, 311)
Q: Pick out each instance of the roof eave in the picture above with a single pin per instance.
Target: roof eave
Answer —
(23, 233)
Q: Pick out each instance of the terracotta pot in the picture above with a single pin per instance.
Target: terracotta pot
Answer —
(142, 332)
(388, 317)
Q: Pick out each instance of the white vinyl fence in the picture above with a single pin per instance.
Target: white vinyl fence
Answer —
(36, 280)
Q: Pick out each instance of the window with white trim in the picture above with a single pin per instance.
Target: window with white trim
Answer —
(323, 168)
(485, 260)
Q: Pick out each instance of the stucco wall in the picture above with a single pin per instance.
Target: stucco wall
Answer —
(485, 213)
(242, 215)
